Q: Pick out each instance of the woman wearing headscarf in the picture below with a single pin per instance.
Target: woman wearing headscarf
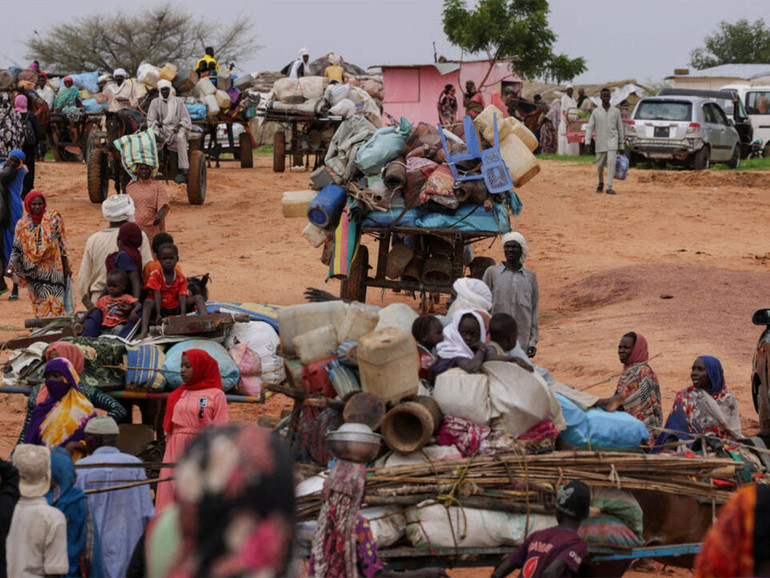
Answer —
(463, 345)
(29, 147)
(447, 105)
(547, 123)
(66, 100)
(83, 546)
(128, 257)
(198, 403)
(12, 177)
(74, 355)
(638, 390)
(235, 493)
(11, 127)
(62, 410)
(736, 544)
(39, 258)
(706, 407)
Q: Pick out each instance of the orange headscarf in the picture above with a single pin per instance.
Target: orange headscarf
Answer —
(68, 351)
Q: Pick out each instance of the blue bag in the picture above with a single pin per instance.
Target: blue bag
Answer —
(86, 81)
(615, 429)
(469, 217)
(228, 369)
(387, 218)
(197, 111)
(386, 144)
(621, 167)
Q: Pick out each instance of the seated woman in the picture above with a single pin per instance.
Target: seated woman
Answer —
(128, 257)
(73, 354)
(638, 391)
(706, 407)
(62, 411)
(463, 345)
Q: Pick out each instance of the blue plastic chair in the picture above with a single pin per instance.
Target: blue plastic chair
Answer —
(493, 168)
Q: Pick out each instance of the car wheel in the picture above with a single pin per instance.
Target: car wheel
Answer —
(735, 160)
(701, 159)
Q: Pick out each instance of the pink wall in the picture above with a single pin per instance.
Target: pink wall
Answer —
(413, 91)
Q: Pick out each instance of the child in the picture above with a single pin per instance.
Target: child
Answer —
(157, 242)
(167, 288)
(116, 312)
(427, 332)
(556, 551)
(503, 333)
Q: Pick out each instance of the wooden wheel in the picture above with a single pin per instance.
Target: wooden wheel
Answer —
(98, 175)
(354, 287)
(196, 179)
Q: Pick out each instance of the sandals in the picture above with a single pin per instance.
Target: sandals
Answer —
(610, 192)
(13, 297)
(600, 188)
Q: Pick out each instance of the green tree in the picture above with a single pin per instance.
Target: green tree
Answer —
(741, 43)
(515, 29)
(165, 33)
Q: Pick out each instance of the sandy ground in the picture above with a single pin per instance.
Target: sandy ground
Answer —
(678, 256)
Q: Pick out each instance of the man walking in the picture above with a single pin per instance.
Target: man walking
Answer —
(606, 121)
(568, 106)
(121, 515)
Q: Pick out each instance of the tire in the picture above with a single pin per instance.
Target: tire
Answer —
(701, 159)
(735, 160)
(93, 136)
(196, 179)
(763, 412)
(245, 151)
(98, 176)
(279, 152)
(354, 287)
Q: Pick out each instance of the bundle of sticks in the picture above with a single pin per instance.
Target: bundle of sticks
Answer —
(527, 483)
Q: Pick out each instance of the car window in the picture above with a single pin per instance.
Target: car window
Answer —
(758, 102)
(674, 110)
(718, 115)
(708, 113)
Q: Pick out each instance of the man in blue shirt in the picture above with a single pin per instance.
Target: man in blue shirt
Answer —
(121, 515)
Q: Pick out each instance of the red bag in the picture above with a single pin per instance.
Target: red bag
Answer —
(317, 380)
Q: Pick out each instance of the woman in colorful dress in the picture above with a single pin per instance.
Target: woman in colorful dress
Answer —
(198, 403)
(447, 106)
(706, 407)
(11, 127)
(66, 100)
(62, 410)
(39, 258)
(638, 390)
(151, 202)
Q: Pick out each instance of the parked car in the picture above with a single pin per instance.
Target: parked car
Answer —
(760, 371)
(730, 101)
(756, 101)
(686, 130)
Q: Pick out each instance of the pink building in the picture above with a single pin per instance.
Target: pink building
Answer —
(412, 90)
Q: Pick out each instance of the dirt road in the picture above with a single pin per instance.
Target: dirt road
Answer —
(678, 256)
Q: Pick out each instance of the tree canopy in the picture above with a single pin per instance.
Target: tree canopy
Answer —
(165, 33)
(741, 43)
(515, 29)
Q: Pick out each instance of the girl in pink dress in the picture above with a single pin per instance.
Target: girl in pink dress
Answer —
(198, 403)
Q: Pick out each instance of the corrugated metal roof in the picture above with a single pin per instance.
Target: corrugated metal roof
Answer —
(447, 67)
(747, 71)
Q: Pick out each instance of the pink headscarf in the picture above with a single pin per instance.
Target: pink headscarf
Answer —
(20, 102)
(639, 353)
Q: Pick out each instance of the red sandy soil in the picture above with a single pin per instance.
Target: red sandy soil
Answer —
(678, 256)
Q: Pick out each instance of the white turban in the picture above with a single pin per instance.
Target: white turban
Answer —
(118, 208)
(120, 72)
(334, 58)
(163, 83)
(303, 52)
(570, 86)
(471, 294)
(518, 238)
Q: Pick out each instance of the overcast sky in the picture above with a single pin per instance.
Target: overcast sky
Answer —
(618, 38)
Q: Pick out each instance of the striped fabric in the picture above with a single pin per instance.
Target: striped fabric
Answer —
(144, 363)
(138, 149)
(347, 237)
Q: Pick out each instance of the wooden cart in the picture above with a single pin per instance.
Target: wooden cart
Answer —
(308, 135)
(243, 152)
(72, 140)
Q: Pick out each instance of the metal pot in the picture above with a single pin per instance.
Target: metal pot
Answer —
(354, 442)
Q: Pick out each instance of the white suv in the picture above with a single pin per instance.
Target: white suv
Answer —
(683, 130)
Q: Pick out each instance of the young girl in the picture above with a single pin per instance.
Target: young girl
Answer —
(463, 345)
(427, 332)
(198, 403)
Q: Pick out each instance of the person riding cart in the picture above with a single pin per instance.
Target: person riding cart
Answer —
(169, 118)
(121, 94)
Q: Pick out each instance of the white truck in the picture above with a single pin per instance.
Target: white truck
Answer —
(756, 100)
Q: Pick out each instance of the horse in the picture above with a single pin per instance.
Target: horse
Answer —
(119, 124)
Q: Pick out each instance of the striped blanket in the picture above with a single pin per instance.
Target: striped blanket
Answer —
(138, 149)
(347, 238)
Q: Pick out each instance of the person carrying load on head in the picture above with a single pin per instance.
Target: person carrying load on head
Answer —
(170, 120)
(121, 94)
(207, 65)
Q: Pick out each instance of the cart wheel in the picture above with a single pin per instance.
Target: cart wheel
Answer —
(279, 152)
(196, 179)
(94, 136)
(98, 175)
(354, 287)
(244, 146)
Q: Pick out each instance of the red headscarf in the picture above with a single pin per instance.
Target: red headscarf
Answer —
(28, 199)
(639, 353)
(206, 375)
(129, 239)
